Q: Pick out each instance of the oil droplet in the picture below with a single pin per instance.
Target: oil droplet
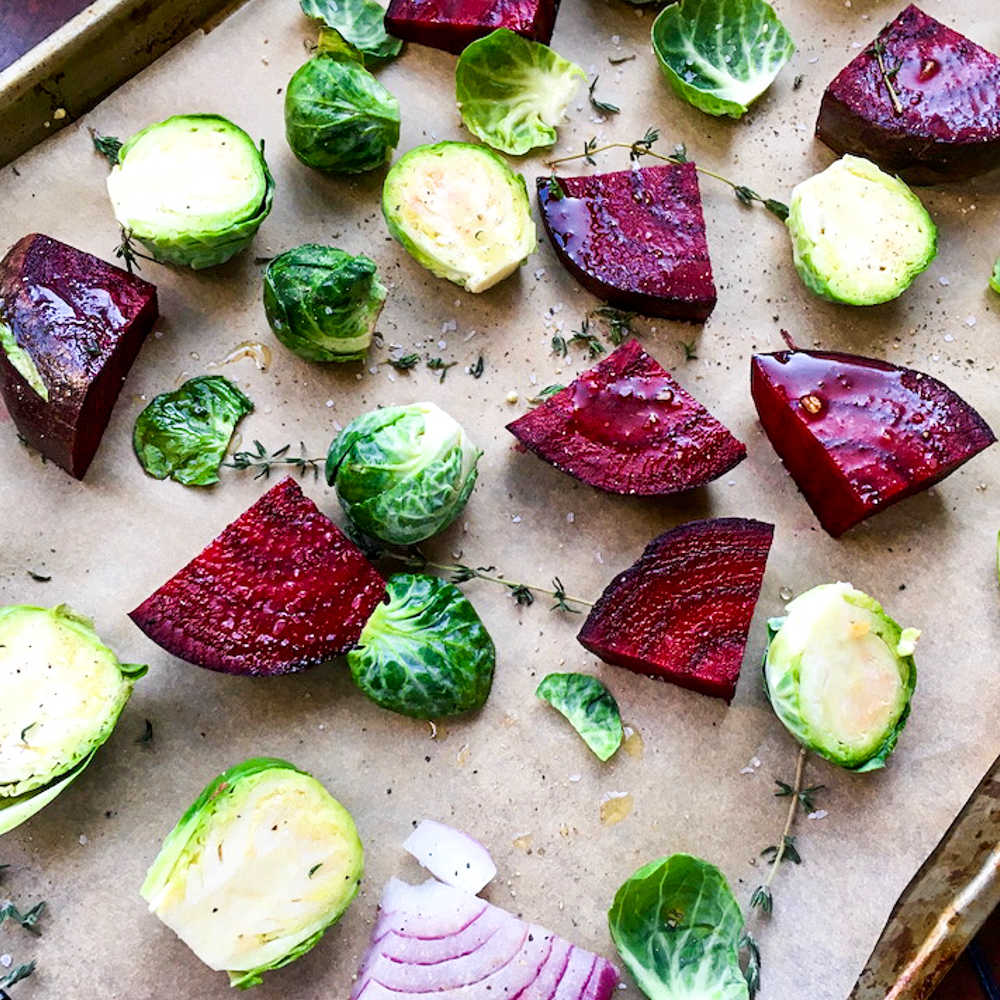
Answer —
(811, 403)
(260, 354)
(523, 842)
(195, 356)
(615, 807)
(463, 755)
(633, 743)
(564, 830)
(785, 593)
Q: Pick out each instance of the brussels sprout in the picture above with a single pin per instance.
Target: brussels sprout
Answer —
(589, 707)
(338, 117)
(61, 693)
(512, 92)
(263, 862)
(859, 235)
(184, 434)
(995, 280)
(461, 212)
(323, 303)
(840, 674)
(193, 189)
(402, 473)
(424, 651)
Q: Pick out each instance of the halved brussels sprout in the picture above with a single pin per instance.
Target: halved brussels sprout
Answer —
(461, 212)
(322, 303)
(193, 189)
(263, 862)
(859, 235)
(840, 675)
(995, 280)
(424, 651)
(403, 473)
(61, 693)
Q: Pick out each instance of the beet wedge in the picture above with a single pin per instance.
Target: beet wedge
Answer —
(281, 589)
(625, 426)
(857, 434)
(940, 121)
(683, 611)
(453, 24)
(70, 327)
(634, 238)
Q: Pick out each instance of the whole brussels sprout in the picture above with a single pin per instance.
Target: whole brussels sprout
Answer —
(840, 674)
(402, 473)
(338, 117)
(323, 303)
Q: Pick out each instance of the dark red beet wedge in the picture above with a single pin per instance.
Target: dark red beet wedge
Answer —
(453, 24)
(80, 322)
(857, 434)
(946, 125)
(281, 589)
(683, 611)
(625, 426)
(634, 238)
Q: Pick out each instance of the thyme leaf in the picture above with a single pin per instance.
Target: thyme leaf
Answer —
(27, 920)
(604, 107)
(618, 321)
(559, 347)
(146, 737)
(547, 393)
(752, 971)
(689, 350)
(15, 975)
(38, 577)
(585, 338)
(107, 145)
(440, 365)
(618, 60)
(405, 362)
(555, 189)
(476, 370)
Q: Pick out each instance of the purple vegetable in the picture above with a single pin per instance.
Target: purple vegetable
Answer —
(452, 856)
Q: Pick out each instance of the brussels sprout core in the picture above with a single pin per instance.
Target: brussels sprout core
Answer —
(840, 674)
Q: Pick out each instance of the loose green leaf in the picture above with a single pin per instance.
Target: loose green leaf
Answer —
(424, 652)
(440, 365)
(27, 920)
(512, 92)
(405, 362)
(360, 22)
(590, 708)
(184, 434)
(995, 280)
(548, 392)
(721, 55)
(16, 974)
(604, 107)
(678, 929)
(107, 145)
(762, 899)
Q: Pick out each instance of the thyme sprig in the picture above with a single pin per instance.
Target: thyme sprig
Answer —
(28, 920)
(585, 338)
(440, 365)
(888, 74)
(107, 145)
(263, 461)
(618, 323)
(15, 975)
(126, 251)
(644, 147)
(404, 362)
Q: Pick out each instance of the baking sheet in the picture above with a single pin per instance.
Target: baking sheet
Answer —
(514, 776)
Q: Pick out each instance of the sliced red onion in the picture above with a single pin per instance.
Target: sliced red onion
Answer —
(437, 939)
(451, 856)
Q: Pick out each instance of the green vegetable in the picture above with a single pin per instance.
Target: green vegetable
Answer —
(193, 189)
(322, 303)
(678, 929)
(360, 22)
(184, 434)
(840, 675)
(263, 862)
(403, 473)
(338, 117)
(461, 212)
(859, 235)
(721, 55)
(590, 708)
(61, 693)
(424, 651)
(512, 92)
(995, 280)
(22, 361)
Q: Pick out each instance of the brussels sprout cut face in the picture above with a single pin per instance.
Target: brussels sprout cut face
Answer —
(859, 235)
(461, 212)
(193, 189)
(840, 674)
(256, 870)
(322, 303)
(61, 692)
(403, 473)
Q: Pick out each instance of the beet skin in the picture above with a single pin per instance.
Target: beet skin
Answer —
(682, 612)
(453, 24)
(82, 322)
(281, 589)
(947, 124)
(857, 434)
(625, 426)
(634, 238)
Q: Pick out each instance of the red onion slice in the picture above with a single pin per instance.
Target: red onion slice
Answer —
(451, 856)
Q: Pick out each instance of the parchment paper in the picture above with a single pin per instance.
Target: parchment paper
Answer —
(515, 772)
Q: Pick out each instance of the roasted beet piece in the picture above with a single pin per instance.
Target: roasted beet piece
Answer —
(281, 589)
(625, 426)
(946, 124)
(857, 434)
(74, 325)
(635, 238)
(682, 612)
(453, 24)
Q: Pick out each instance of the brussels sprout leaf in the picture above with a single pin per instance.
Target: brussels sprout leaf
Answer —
(721, 55)
(995, 280)
(590, 708)
(360, 22)
(184, 434)
(678, 929)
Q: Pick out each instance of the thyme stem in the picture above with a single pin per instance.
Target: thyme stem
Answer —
(793, 807)
(879, 49)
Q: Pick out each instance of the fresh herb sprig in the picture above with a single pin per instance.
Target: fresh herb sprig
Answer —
(126, 252)
(585, 338)
(603, 107)
(264, 462)
(404, 362)
(440, 365)
(28, 920)
(618, 323)
(15, 975)
(888, 73)
(107, 145)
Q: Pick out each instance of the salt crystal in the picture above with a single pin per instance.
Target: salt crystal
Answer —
(442, 344)
(970, 321)
(83, 840)
(6, 961)
(539, 274)
(948, 338)
(575, 777)
(570, 517)
(944, 281)
(616, 39)
(818, 814)
(515, 518)
(329, 404)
